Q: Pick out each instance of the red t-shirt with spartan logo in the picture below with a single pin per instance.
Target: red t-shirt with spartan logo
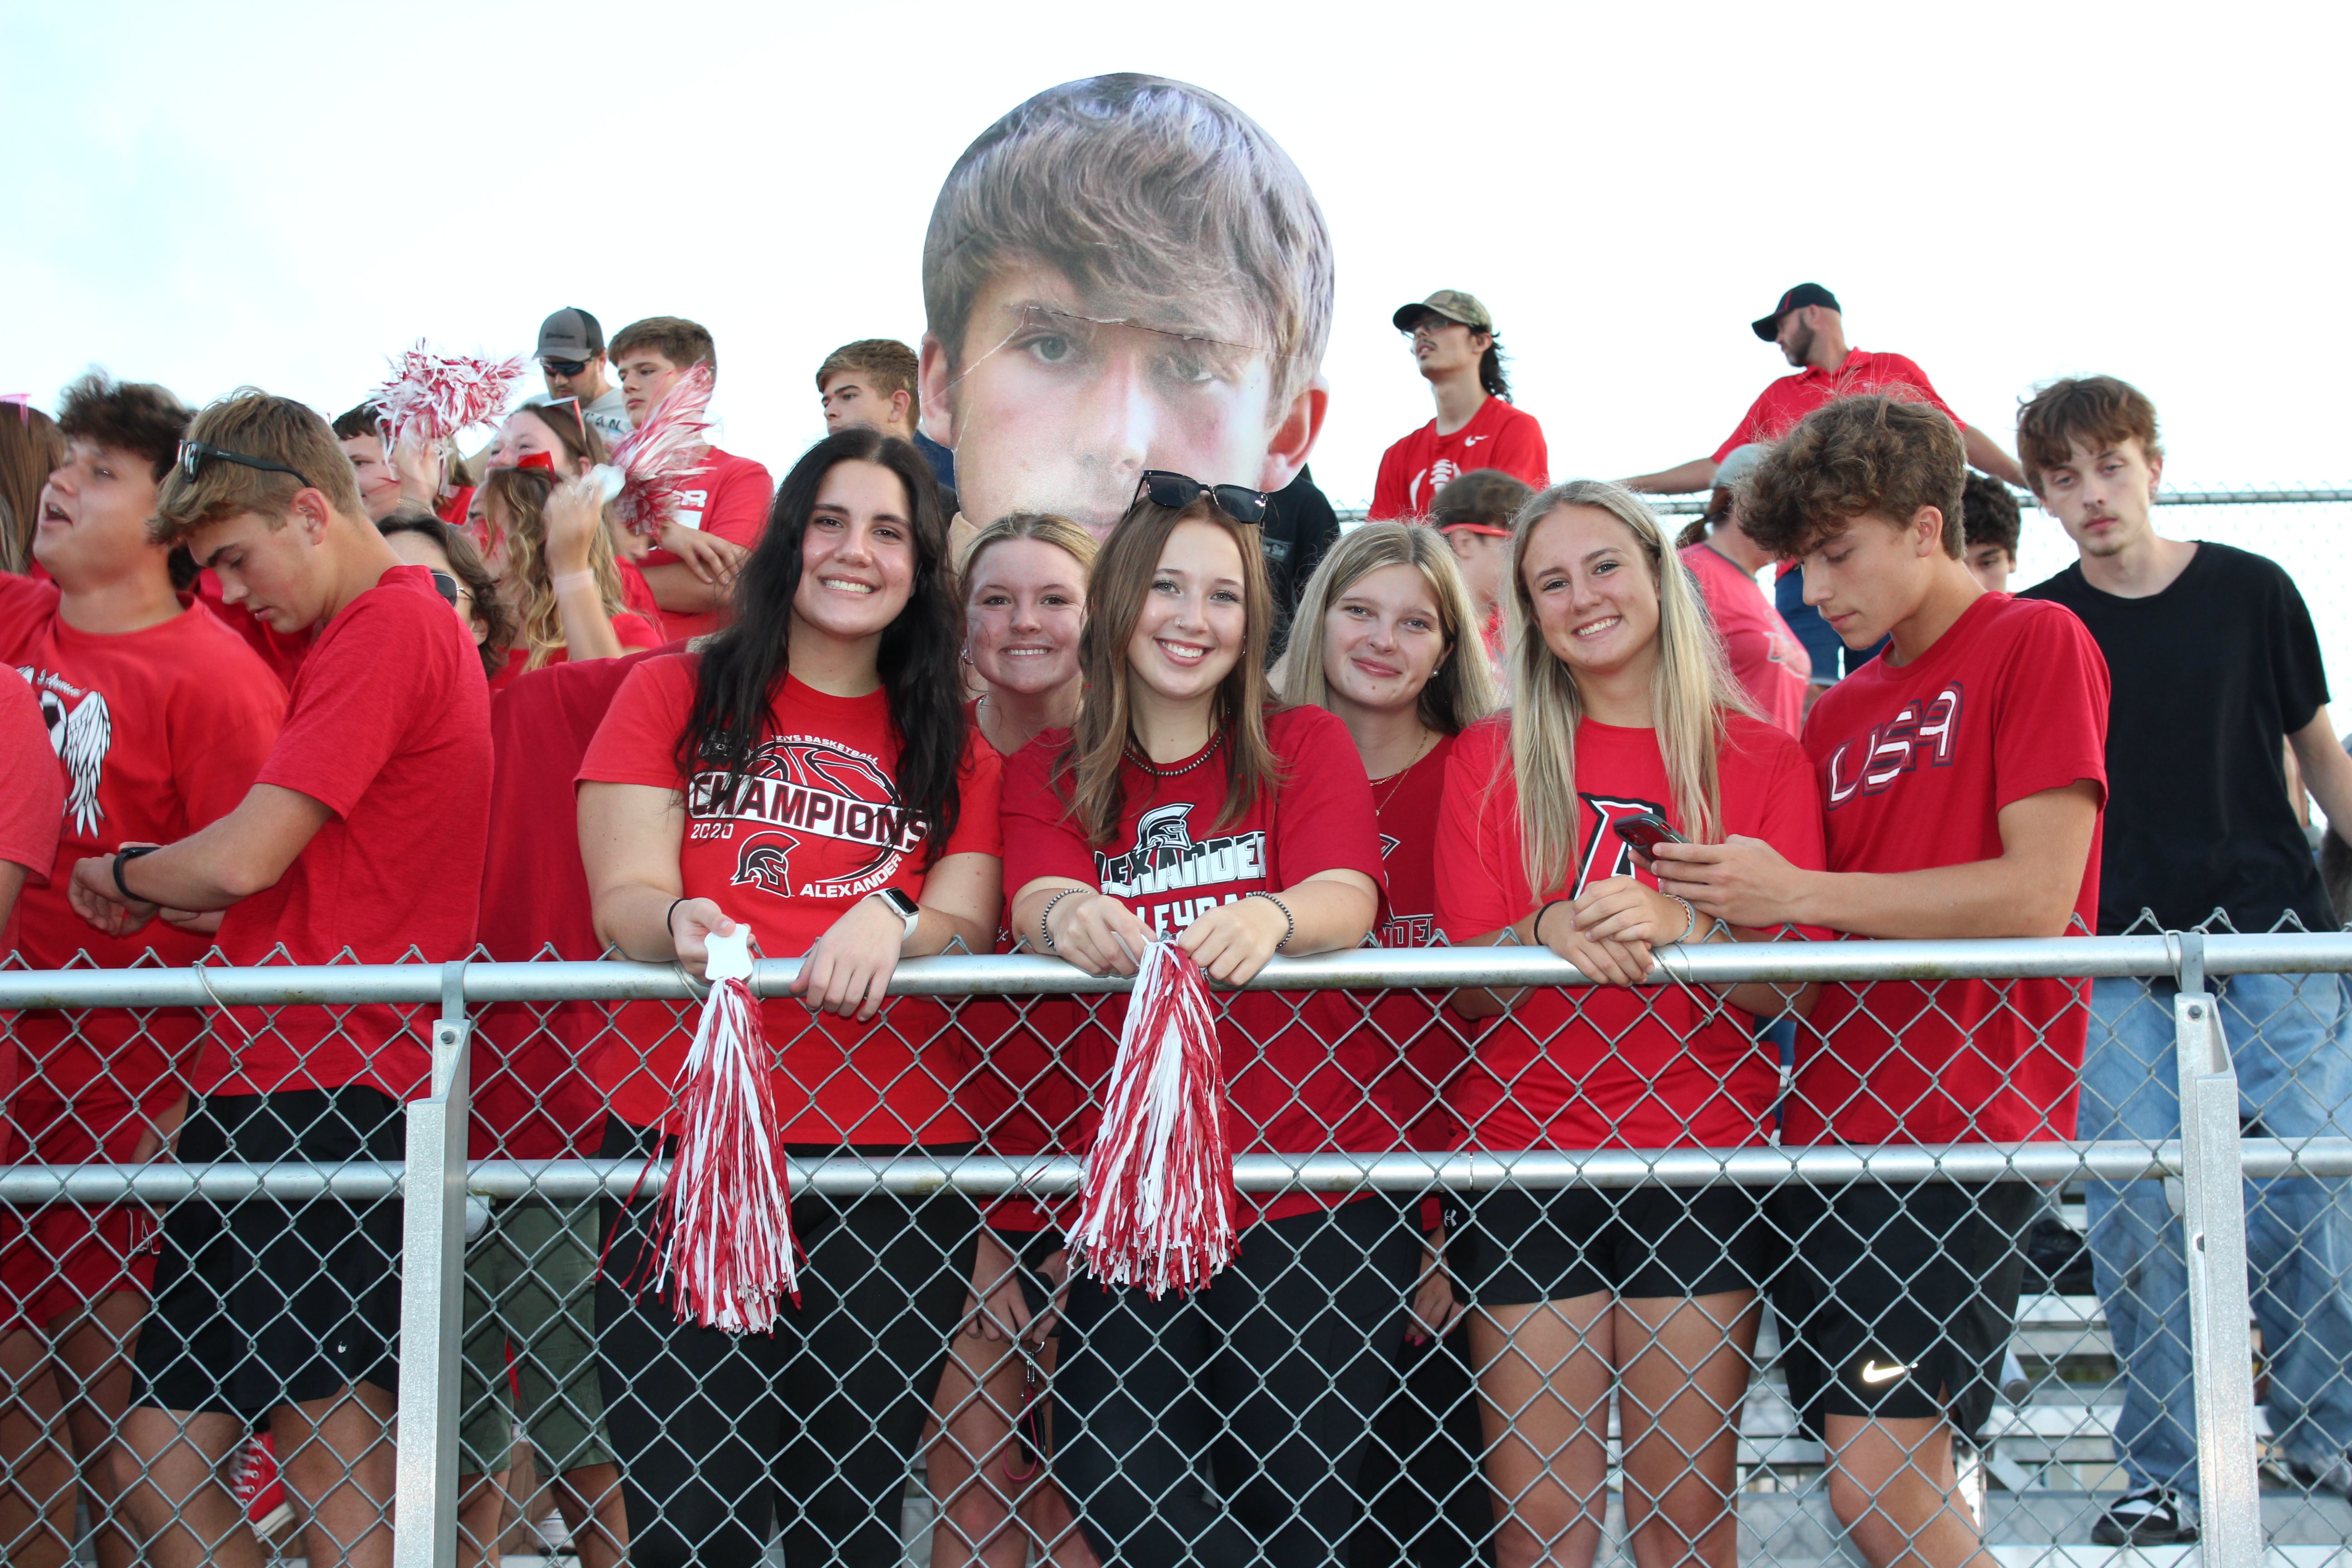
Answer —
(812, 828)
(1606, 1067)
(1916, 762)
(1300, 1068)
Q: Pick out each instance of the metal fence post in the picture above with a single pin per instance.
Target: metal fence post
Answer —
(432, 1296)
(2213, 1227)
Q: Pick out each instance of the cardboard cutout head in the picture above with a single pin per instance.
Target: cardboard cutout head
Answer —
(1124, 273)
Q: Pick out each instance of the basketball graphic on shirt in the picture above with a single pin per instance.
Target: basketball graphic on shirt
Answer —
(81, 731)
(825, 820)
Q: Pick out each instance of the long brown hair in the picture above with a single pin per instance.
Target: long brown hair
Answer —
(529, 586)
(29, 448)
(1093, 761)
(564, 421)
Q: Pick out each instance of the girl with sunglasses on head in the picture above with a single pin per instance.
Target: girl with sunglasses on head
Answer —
(1388, 640)
(1186, 805)
(1623, 709)
(556, 570)
(420, 539)
(809, 773)
(1025, 598)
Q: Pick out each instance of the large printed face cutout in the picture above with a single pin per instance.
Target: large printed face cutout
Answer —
(1123, 273)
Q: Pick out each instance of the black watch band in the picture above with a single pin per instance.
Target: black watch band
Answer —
(133, 853)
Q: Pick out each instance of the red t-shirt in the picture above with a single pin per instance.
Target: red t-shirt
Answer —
(1430, 1043)
(815, 828)
(1601, 1067)
(156, 733)
(1778, 407)
(1498, 435)
(1020, 1096)
(729, 500)
(534, 1098)
(1300, 1070)
(1770, 663)
(1916, 761)
(281, 651)
(28, 823)
(389, 728)
(636, 593)
(636, 632)
(31, 805)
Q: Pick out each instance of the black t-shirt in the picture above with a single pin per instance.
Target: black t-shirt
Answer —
(2210, 677)
(1299, 528)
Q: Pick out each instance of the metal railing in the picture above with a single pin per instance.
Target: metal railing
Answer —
(2210, 1157)
(1695, 504)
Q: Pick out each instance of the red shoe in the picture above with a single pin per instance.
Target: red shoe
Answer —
(260, 1492)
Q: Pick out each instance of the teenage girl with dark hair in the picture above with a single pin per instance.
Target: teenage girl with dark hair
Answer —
(810, 773)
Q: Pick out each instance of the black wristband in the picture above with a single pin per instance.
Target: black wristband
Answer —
(666, 918)
(1535, 931)
(129, 854)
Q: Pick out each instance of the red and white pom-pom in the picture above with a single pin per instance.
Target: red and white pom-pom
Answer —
(656, 458)
(430, 397)
(1157, 1201)
(724, 1229)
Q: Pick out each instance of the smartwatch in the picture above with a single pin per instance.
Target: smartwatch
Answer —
(904, 908)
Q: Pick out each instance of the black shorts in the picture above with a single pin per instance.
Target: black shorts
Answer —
(265, 1302)
(1524, 1248)
(1899, 1301)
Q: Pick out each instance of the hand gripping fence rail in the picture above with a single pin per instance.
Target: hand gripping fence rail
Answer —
(2210, 1160)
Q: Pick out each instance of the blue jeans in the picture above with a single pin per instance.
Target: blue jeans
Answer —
(2287, 1038)
(1828, 651)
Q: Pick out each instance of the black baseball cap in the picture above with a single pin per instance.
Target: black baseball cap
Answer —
(570, 334)
(1796, 299)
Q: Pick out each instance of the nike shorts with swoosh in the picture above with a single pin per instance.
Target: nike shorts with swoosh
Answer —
(1898, 1302)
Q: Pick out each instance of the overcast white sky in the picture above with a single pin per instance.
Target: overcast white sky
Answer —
(216, 193)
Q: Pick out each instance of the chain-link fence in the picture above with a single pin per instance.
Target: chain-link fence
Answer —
(1448, 1337)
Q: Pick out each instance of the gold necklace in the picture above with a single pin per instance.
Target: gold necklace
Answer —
(1395, 781)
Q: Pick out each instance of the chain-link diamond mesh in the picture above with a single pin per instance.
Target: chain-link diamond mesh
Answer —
(1931, 1267)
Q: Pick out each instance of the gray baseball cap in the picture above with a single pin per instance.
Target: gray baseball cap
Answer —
(1451, 303)
(570, 334)
(1739, 463)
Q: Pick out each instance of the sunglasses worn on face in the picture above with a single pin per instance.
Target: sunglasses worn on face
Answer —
(446, 586)
(1178, 491)
(195, 455)
(565, 366)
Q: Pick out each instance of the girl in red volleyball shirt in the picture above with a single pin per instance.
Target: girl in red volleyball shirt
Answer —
(1024, 595)
(809, 773)
(1387, 639)
(1185, 805)
(1624, 706)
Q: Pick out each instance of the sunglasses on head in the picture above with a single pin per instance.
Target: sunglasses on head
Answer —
(195, 455)
(1176, 492)
(565, 366)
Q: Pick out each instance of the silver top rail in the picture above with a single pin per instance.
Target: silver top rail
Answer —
(27, 1186)
(1357, 969)
(1694, 505)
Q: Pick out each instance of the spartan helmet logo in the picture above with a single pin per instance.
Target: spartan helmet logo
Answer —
(766, 863)
(1165, 828)
(81, 731)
